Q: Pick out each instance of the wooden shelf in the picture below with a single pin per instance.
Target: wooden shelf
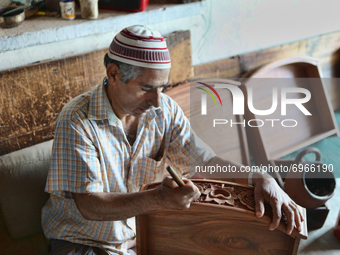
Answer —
(272, 142)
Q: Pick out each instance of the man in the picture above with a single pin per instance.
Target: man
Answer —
(118, 136)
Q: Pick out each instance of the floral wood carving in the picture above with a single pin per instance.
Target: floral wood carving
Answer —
(224, 194)
(247, 198)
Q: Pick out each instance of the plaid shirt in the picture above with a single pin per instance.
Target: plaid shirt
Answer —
(92, 154)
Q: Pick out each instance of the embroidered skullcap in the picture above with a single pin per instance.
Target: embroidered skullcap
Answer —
(140, 46)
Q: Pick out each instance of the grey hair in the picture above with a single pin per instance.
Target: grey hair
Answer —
(128, 71)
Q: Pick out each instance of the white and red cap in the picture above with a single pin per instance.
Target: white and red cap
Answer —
(140, 46)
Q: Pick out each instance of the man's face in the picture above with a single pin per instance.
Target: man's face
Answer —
(140, 94)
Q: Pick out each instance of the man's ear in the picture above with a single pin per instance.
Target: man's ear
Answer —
(113, 73)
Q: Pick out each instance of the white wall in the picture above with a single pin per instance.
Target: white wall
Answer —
(219, 29)
(232, 27)
(229, 27)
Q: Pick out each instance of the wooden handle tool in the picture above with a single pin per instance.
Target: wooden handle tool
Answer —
(174, 175)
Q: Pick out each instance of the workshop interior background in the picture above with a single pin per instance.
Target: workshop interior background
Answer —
(46, 61)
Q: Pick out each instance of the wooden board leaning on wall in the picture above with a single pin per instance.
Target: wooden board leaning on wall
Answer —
(324, 47)
(32, 96)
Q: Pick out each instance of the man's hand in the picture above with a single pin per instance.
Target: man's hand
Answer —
(267, 190)
(174, 197)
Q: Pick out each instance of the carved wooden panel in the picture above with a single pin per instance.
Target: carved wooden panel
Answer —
(226, 225)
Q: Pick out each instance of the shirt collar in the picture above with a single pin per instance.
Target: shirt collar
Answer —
(97, 108)
(110, 114)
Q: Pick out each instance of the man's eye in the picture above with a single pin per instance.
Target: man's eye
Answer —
(150, 89)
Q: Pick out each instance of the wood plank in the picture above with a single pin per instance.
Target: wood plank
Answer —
(32, 97)
(229, 67)
(179, 45)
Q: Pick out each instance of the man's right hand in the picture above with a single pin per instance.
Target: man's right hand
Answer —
(111, 206)
(174, 197)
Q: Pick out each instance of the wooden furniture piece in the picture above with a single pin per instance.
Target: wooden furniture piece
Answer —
(226, 141)
(221, 221)
(272, 141)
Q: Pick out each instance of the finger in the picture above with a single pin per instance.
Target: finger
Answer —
(290, 218)
(197, 194)
(191, 189)
(259, 204)
(169, 182)
(276, 207)
(299, 210)
(188, 182)
(302, 218)
(192, 199)
(297, 216)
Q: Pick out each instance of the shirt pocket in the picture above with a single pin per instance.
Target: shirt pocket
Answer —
(147, 170)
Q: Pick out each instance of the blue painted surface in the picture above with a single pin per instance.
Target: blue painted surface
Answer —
(330, 150)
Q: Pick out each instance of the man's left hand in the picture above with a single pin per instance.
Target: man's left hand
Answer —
(268, 191)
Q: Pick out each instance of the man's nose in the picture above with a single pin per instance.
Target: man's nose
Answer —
(155, 98)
